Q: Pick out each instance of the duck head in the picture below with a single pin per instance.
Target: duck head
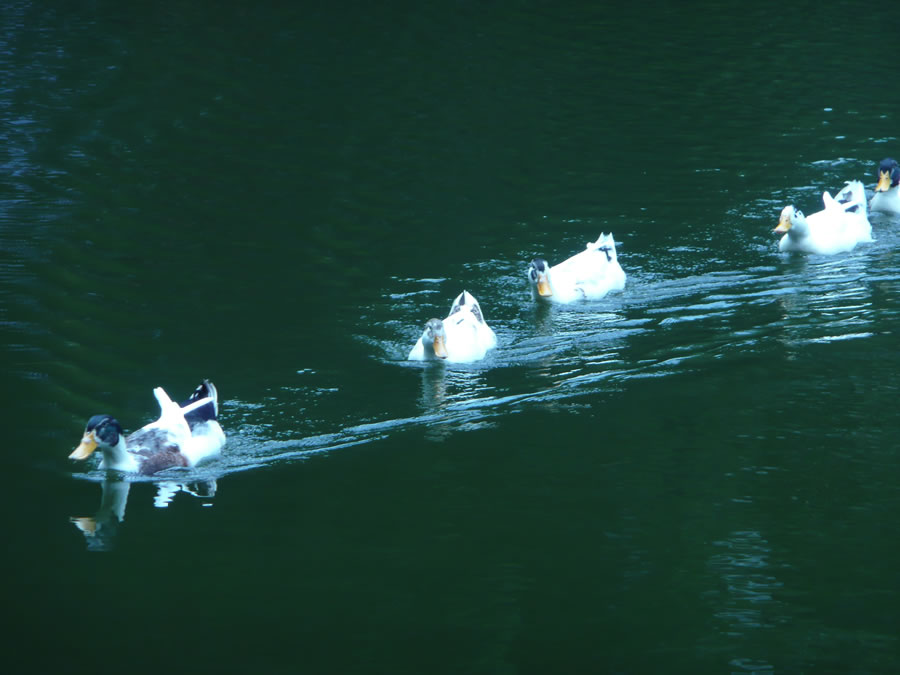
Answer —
(434, 338)
(538, 276)
(888, 175)
(790, 218)
(102, 431)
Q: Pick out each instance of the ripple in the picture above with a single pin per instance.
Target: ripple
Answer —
(659, 327)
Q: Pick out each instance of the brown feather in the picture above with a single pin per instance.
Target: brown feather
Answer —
(164, 459)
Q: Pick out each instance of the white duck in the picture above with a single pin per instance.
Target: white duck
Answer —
(887, 192)
(837, 228)
(589, 275)
(462, 337)
(182, 436)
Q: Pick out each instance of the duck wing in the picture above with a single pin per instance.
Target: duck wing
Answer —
(156, 448)
(852, 198)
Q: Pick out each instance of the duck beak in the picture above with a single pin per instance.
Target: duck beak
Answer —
(543, 288)
(884, 181)
(86, 525)
(85, 448)
(783, 225)
(440, 350)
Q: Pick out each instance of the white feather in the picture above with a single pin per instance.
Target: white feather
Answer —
(837, 228)
(588, 275)
(465, 334)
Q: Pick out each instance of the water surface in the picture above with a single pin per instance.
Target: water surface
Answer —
(696, 474)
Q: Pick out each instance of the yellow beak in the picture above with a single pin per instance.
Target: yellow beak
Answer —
(884, 182)
(783, 225)
(440, 350)
(85, 448)
(544, 288)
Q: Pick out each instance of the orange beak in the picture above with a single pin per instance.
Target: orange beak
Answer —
(85, 448)
(783, 225)
(440, 350)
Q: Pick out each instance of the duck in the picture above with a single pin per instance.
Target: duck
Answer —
(588, 275)
(184, 435)
(837, 228)
(887, 192)
(462, 337)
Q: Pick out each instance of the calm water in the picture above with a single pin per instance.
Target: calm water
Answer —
(699, 474)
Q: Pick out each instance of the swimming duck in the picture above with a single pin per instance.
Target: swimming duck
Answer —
(837, 228)
(589, 275)
(182, 436)
(462, 337)
(887, 191)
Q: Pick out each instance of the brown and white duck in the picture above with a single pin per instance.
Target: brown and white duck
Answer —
(184, 435)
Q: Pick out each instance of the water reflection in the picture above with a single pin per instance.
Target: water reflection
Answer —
(166, 491)
(434, 386)
(543, 319)
(445, 393)
(826, 302)
(100, 530)
(749, 586)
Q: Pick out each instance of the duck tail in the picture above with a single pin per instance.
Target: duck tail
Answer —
(603, 240)
(461, 300)
(606, 244)
(465, 301)
(852, 198)
(202, 405)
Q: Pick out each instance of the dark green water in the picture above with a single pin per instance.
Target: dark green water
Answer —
(699, 474)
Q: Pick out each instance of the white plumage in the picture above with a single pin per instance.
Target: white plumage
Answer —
(462, 337)
(837, 228)
(588, 275)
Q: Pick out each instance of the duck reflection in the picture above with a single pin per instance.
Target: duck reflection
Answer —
(100, 530)
(166, 491)
(445, 393)
(434, 386)
(442, 386)
(828, 301)
(542, 319)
